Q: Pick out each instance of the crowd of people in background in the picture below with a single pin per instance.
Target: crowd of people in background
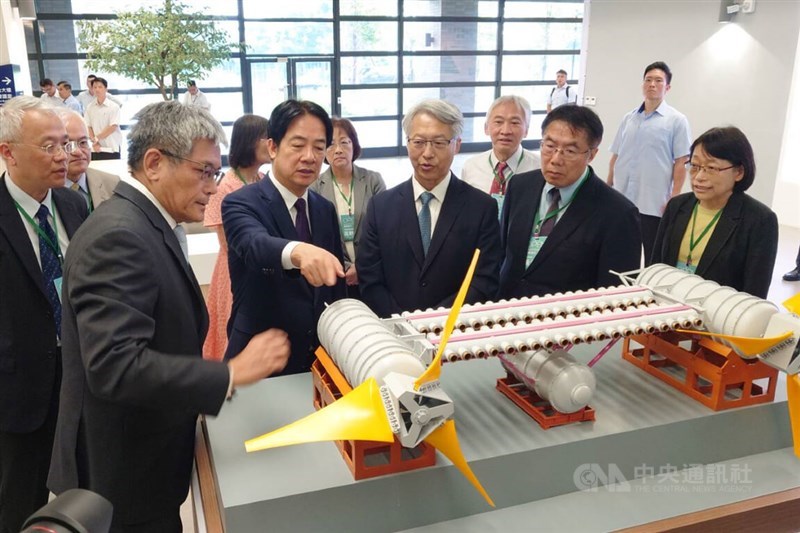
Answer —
(108, 351)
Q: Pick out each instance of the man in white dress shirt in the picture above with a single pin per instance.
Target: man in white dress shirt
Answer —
(102, 119)
(195, 97)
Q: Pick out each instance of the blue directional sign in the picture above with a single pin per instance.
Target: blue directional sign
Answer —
(7, 88)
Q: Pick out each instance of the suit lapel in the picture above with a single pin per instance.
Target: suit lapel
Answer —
(408, 219)
(277, 210)
(523, 217)
(723, 231)
(69, 215)
(451, 208)
(359, 193)
(679, 227)
(14, 229)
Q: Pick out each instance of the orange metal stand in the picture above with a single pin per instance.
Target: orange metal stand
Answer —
(365, 459)
(703, 369)
(538, 408)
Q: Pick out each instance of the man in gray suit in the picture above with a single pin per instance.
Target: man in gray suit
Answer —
(94, 185)
(133, 330)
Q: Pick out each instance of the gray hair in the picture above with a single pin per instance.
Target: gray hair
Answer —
(521, 103)
(65, 113)
(441, 110)
(13, 110)
(172, 127)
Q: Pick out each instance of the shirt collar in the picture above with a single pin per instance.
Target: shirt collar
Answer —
(289, 198)
(438, 192)
(139, 186)
(81, 183)
(662, 107)
(29, 204)
(568, 191)
(512, 162)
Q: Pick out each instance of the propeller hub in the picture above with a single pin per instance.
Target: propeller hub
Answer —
(422, 416)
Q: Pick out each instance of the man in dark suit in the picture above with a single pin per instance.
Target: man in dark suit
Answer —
(420, 235)
(134, 324)
(38, 218)
(562, 228)
(94, 185)
(284, 251)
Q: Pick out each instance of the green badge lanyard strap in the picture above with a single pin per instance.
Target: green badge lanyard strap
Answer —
(42, 235)
(494, 170)
(694, 242)
(239, 175)
(345, 198)
(537, 224)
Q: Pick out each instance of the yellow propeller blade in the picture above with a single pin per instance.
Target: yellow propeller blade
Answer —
(793, 304)
(359, 415)
(445, 440)
(747, 345)
(793, 399)
(433, 371)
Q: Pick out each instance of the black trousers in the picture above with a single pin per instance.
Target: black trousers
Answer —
(99, 156)
(649, 225)
(170, 523)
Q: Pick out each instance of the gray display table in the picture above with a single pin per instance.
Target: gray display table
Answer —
(640, 422)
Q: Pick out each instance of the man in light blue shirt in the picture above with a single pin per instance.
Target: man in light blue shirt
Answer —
(650, 151)
(65, 94)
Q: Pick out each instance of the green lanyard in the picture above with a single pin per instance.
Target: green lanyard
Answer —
(494, 170)
(238, 175)
(345, 198)
(537, 224)
(694, 242)
(42, 235)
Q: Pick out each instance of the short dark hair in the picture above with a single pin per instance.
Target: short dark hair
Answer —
(578, 118)
(191, 83)
(247, 130)
(561, 71)
(65, 84)
(350, 130)
(284, 114)
(660, 65)
(98, 79)
(730, 144)
(45, 82)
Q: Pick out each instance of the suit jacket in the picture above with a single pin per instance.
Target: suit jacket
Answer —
(366, 184)
(29, 366)
(598, 232)
(394, 274)
(258, 227)
(134, 380)
(101, 185)
(741, 250)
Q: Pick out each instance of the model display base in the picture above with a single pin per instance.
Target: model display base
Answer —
(538, 408)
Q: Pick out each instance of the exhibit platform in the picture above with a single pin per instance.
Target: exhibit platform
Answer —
(535, 476)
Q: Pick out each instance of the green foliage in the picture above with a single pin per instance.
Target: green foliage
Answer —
(160, 48)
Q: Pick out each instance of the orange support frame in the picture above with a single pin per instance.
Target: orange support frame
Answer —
(703, 369)
(365, 459)
(538, 408)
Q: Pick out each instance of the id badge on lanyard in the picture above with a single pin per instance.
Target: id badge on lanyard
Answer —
(348, 224)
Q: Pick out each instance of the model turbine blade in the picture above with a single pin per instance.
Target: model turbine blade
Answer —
(748, 346)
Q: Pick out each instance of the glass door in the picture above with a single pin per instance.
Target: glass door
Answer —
(274, 80)
(312, 79)
(269, 85)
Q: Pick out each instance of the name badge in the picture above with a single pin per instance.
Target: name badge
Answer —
(348, 224)
(57, 282)
(499, 199)
(681, 265)
(534, 245)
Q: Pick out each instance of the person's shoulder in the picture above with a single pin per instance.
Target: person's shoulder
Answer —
(606, 197)
(751, 205)
(478, 158)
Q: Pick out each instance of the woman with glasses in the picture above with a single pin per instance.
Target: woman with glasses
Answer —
(717, 231)
(247, 153)
(349, 188)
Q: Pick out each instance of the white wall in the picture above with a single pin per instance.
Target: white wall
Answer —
(723, 74)
(12, 45)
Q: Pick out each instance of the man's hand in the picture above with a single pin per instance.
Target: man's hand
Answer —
(318, 266)
(351, 277)
(265, 354)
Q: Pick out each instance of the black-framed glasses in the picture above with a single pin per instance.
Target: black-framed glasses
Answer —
(711, 171)
(437, 144)
(208, 172)
(569, 153)
(54, 149)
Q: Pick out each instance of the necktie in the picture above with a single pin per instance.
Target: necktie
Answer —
(51, 266)
(75, 186)
(301, 222)
(425, 220)
(547, 225)
(180, 234)
(499, 181)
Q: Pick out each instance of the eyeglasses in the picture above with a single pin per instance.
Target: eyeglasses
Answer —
(83, 144)
(54, 149)
(711, 171)
(345, 143)
(208, 172)
(569, 154)
(437, 144)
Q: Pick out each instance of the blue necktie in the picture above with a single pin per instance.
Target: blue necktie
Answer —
(425, 220)
(51, 266)
(550, 223)
(301, 222)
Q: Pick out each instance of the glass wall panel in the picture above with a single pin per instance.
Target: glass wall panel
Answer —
(368, 36)
(542, 35)
(450, 8)
(226, 107)
(308, 9)
(366, 70)
(475, 130)
(94, 7)
(467, 99)
(524, 9)
(287, 38)
(313, 82)
(376, 133)
(538, 67)
(369, 102)
(59, 36)
(367, 8)
(451, 36)
(270, 84)
(535, 94)
(435, 69)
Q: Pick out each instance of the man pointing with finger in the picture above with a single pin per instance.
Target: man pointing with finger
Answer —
(284, 249)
